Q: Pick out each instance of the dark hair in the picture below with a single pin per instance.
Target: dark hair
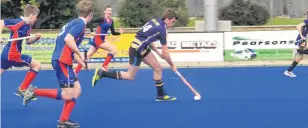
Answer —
(169, 14)
(108, 6)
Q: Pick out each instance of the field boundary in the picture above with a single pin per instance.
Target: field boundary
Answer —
(257, 63)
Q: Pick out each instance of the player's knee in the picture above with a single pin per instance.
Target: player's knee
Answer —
(67, 93)
(67, 96)
(298, 60)
(113, 52)
(158, 69)
(130, 77)
(36, 66)
(89, 56)
(77, 93)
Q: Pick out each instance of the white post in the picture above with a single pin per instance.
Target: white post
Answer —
(211, 15)
(271, 10)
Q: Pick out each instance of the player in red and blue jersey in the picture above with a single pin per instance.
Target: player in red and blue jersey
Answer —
(302, 50)
(11, 54)
(104, 24)
(140, 51)
(66, 50)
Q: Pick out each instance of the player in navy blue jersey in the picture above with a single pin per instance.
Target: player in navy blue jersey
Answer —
(11, 54)
(140, 51)
(302, 50)
(66, 50)
(104, 24)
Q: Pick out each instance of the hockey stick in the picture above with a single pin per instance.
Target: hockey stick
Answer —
(187, 84)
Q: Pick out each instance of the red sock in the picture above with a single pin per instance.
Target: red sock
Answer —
(67, 109)
(78, 68)
(28, 79)
(107, 60)
(50, 93)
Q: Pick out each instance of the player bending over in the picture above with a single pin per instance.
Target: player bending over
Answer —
(104, 24)
(302, 46)
(11, 54)
(66, 50)
(139, 51)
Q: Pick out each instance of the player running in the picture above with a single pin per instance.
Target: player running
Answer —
(302, 49)
(65, 51)
(104, 24)
(11, 54)
(140, 51)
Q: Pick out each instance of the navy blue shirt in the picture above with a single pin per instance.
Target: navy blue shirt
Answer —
(104, 24)
(304, 31)
(18, 28)
(62, 52)
(152, 31)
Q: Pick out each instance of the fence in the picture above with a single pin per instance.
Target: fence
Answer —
(193, 47)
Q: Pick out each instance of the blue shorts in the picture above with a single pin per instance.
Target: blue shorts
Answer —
(65, 74)
(96, 42)
(25, 60)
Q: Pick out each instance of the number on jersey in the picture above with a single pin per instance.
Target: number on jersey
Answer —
(62, 30)
(146, 27)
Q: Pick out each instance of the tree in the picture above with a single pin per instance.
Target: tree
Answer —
(179, 6)
(59, 13)
(135, 13)
(53, 13)
(10, 9)
(244, 13)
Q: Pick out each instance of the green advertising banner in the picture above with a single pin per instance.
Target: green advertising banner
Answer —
(258, 54)
(41, 50)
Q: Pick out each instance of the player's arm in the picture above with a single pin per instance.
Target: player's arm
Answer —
(154, 48)
(166, 54)
(78, 59)
(71, 43)
(1, 28)
(74, 33)
(33, 40)
(90, 24)
(113, 32)
(165, 50)
(299, 29)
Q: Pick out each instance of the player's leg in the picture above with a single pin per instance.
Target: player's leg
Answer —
(119, 75)
(90, 53)
(134, 62)
(112, 51)
(298, 57)
(289, 71)
(2, 71)
(5, 64)
(67, 82)
(70, 104)
(151, 60)
(31, 74)
(66, 87)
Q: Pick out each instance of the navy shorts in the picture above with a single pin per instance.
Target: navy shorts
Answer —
(25, 60)
(65, 74)
(135, 58)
